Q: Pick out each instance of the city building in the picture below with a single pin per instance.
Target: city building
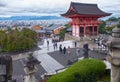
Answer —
(37, 27)
(56, 29)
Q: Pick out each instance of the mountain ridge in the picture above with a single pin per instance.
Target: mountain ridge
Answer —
(32, 18)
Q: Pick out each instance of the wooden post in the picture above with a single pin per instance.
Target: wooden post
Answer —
(84, 30)
(79, 31)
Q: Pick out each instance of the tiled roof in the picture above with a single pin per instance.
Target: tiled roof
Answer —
(85, 9)
(53, 27)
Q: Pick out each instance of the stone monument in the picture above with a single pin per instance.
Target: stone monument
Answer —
(114, 58)
(30, 69)
(6, 68)
(85, 50)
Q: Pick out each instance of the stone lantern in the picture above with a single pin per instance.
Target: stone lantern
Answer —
(114, 58)
(86, 50)
(6, 68)
(30, 68)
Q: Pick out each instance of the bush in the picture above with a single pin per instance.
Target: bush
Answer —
(87, 70)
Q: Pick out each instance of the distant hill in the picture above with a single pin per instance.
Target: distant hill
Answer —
(31, 18)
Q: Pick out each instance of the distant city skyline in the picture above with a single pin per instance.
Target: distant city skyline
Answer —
(51, 7)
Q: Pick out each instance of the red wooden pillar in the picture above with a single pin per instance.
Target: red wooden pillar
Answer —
(77, 30)
(73, 30)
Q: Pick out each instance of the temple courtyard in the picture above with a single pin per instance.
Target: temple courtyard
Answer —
(52, 61)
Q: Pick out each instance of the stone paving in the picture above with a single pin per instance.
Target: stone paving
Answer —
(48, 62)
(52, 60)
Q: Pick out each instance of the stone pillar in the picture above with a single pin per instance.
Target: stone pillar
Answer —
(114, 58)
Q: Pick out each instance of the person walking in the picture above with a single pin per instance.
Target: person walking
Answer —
(56, 46)
(68, 50)
(75, 44)
(60, 48)
(47, 44)
(78, 52)
(64, 50)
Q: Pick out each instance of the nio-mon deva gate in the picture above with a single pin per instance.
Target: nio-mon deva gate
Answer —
(84, 18)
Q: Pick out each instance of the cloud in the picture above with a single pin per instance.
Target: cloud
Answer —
(52, 7)
(2, 4)
(34, 6)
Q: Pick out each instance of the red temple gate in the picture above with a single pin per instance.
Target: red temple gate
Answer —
(84, 18)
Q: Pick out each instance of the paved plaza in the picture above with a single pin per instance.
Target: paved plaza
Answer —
(51, 59)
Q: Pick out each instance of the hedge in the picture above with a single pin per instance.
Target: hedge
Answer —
(87, 70)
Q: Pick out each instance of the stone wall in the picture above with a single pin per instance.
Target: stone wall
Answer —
(70, 37)
(86, 38)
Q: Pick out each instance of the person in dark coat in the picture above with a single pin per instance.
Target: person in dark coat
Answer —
(47, 45)
(75, 43)
(60, 48)
(54, 46)
(64, 50)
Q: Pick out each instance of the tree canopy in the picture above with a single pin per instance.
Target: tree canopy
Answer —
(102, 27)
(15, 40)
(62, 32)
(113, 19)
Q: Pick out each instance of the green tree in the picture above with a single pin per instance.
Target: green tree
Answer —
(113, 19)
(15, 40)
(109, 29)
(3, 40)
(118, 25)
(67, 25)
(62, 33)
(102, 27)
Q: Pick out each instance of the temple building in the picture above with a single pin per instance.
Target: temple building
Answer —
(84, 18)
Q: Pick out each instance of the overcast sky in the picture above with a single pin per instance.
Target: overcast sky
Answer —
(50, 7)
